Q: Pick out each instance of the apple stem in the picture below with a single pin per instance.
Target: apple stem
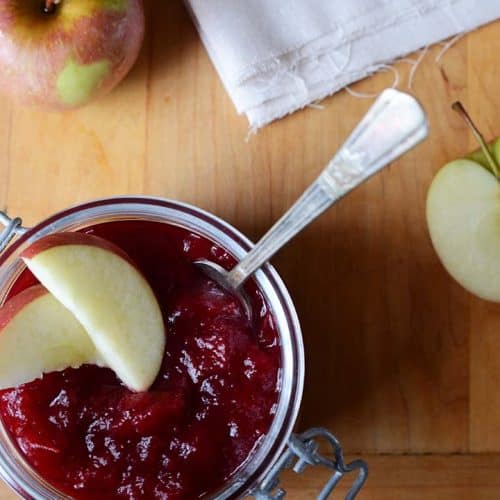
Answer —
(49, 6)
(494, 167)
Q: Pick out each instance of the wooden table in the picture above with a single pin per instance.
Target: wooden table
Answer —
(402, 364)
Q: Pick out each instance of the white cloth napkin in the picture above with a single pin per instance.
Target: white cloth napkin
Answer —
(276, 56)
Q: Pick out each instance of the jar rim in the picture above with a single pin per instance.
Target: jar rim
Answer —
(267, 279)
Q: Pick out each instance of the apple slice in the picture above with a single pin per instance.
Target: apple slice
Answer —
(100, 285)
(39, 335)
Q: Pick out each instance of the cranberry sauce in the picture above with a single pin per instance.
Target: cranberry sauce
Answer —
(213, 401)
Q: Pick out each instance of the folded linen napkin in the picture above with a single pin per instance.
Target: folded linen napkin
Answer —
(276, 56)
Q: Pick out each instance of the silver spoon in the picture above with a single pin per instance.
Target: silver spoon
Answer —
(394, 124)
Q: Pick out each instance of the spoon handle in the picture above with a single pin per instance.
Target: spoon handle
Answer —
(394, 124)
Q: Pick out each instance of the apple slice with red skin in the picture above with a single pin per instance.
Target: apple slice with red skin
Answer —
(39, 335)
(109, 296)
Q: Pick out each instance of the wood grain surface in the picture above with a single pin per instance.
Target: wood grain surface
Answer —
(400, 359)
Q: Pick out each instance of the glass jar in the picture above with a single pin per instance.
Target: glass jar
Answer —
(259, 474)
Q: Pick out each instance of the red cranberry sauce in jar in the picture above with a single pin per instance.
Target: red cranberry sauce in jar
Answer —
(213, 401)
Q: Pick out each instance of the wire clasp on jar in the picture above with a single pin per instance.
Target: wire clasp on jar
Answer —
(303, 451)
(13, 227)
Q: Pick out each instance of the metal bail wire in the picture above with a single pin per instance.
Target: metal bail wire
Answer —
(12, 227)
(303, 451)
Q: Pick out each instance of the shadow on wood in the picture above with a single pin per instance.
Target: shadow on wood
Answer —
(386, 362)
(169, 36)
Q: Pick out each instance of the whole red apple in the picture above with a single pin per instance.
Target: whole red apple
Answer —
(63, 53)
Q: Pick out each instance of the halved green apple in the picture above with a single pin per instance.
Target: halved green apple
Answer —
(463, 216)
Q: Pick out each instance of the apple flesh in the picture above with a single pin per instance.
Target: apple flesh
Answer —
(463, 216)
(74, 52)
(39, 335)
(98, 283)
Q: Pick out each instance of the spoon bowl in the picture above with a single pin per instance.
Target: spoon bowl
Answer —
(223, 278)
